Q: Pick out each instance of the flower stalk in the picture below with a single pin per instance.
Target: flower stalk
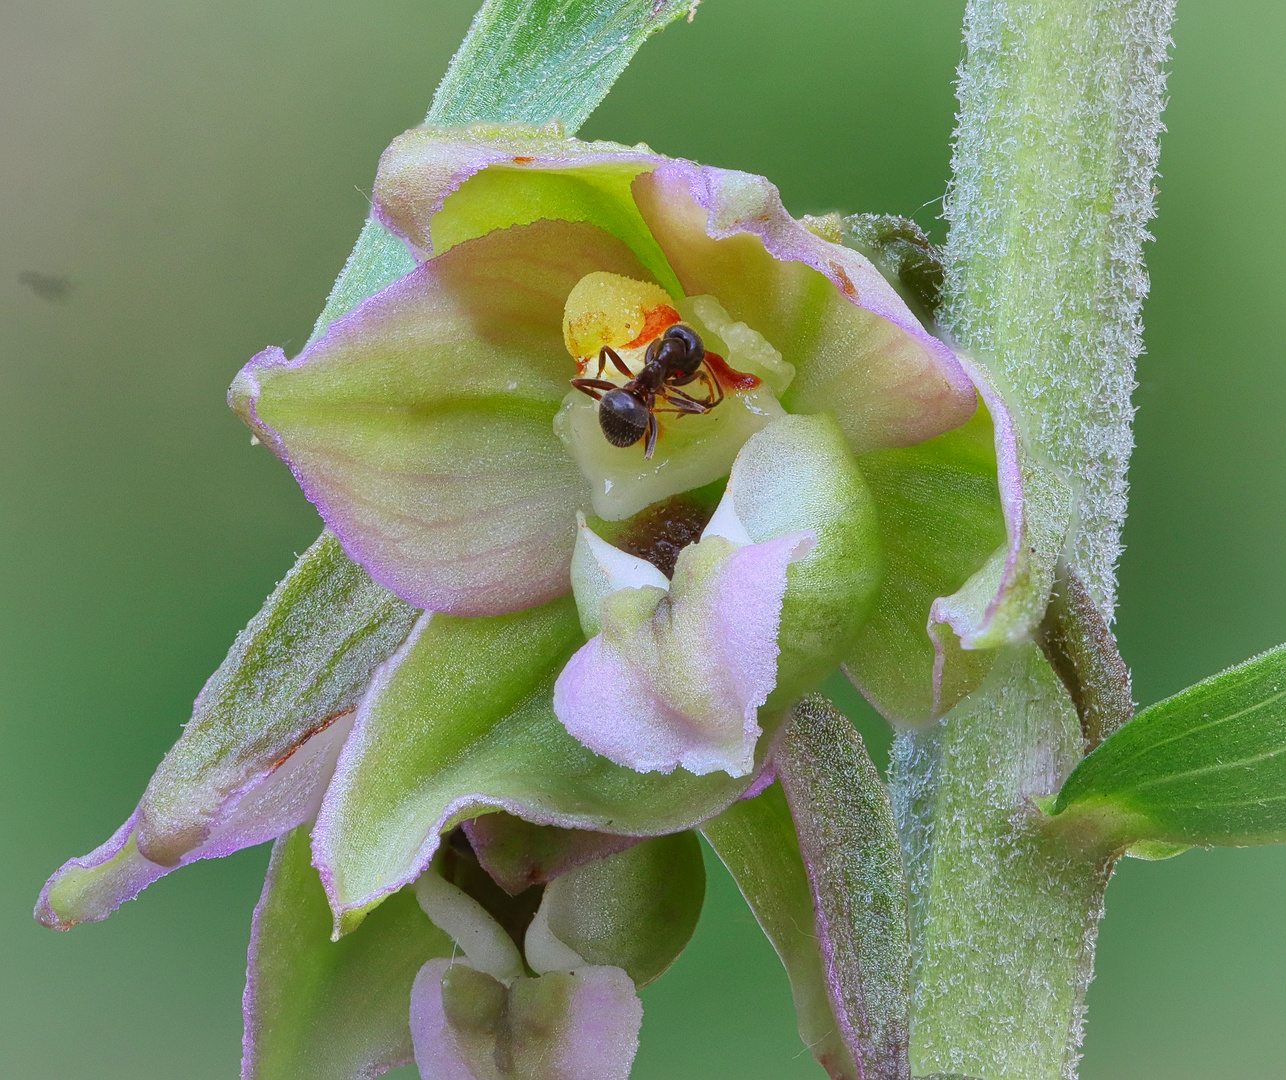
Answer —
(1055, 156)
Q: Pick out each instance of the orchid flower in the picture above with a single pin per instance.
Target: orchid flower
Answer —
(511, 619)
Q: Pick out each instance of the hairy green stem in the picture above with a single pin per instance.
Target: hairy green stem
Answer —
(1054, 161)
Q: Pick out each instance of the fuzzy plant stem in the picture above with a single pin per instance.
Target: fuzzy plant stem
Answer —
(1055, 156)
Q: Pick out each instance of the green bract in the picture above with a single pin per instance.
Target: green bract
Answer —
(1207, 766)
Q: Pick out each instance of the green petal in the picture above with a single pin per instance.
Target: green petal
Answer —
(940, 520)
(858, 351)
(461, 722)
(439, 187)
(420, 424)
(325, 1010)
(634, 910)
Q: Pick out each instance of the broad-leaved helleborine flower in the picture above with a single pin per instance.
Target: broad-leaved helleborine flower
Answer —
(587, 604)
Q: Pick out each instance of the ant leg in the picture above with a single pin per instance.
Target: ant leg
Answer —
(593, 387)
(607, 353)
(685, 402)
(712, 384)
(652, 428)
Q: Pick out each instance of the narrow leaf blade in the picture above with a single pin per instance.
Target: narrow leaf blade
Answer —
(849, 844)
(755, 839)
(530, 61)
(1207, 766)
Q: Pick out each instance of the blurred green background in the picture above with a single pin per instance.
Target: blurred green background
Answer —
(181, 180)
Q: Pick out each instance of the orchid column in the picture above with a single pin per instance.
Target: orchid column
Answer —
(1055, 156)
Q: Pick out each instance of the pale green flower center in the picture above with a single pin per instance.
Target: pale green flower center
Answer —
(691, 450)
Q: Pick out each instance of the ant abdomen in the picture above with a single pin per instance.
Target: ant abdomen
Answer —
(623, 417)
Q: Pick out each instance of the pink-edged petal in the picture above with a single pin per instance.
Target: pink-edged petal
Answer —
(89, 889)
(459, 723)
(677, 680)
(973, 526)
(577, 1025)
(858, 350)
(439, 187)
(421, 423)
(1005, 600)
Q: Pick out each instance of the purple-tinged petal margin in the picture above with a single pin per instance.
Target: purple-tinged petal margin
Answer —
(578, 1025)
(420, 424)
(677, 680)
(536, 173)
(858, 351)
(459, 723)
(90, 888)
(1006, 599)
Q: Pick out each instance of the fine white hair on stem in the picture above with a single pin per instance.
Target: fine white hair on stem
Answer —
(1055, 154)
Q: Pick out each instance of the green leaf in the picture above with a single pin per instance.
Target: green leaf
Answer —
(531, 61)
(305, 658)
(756, 840)
(460, 723)
(634, 910)
(849, 843)
(523, 61)
(1207, 766)
(329, 1010)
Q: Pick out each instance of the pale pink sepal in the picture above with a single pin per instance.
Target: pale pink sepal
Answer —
(90, 888)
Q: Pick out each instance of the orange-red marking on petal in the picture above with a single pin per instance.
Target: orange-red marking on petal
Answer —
(655, 323)
(729, 378)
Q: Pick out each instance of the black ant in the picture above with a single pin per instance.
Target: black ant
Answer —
(628, 413)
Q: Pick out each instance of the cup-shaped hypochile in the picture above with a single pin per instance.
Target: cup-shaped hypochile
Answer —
(421, 423)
